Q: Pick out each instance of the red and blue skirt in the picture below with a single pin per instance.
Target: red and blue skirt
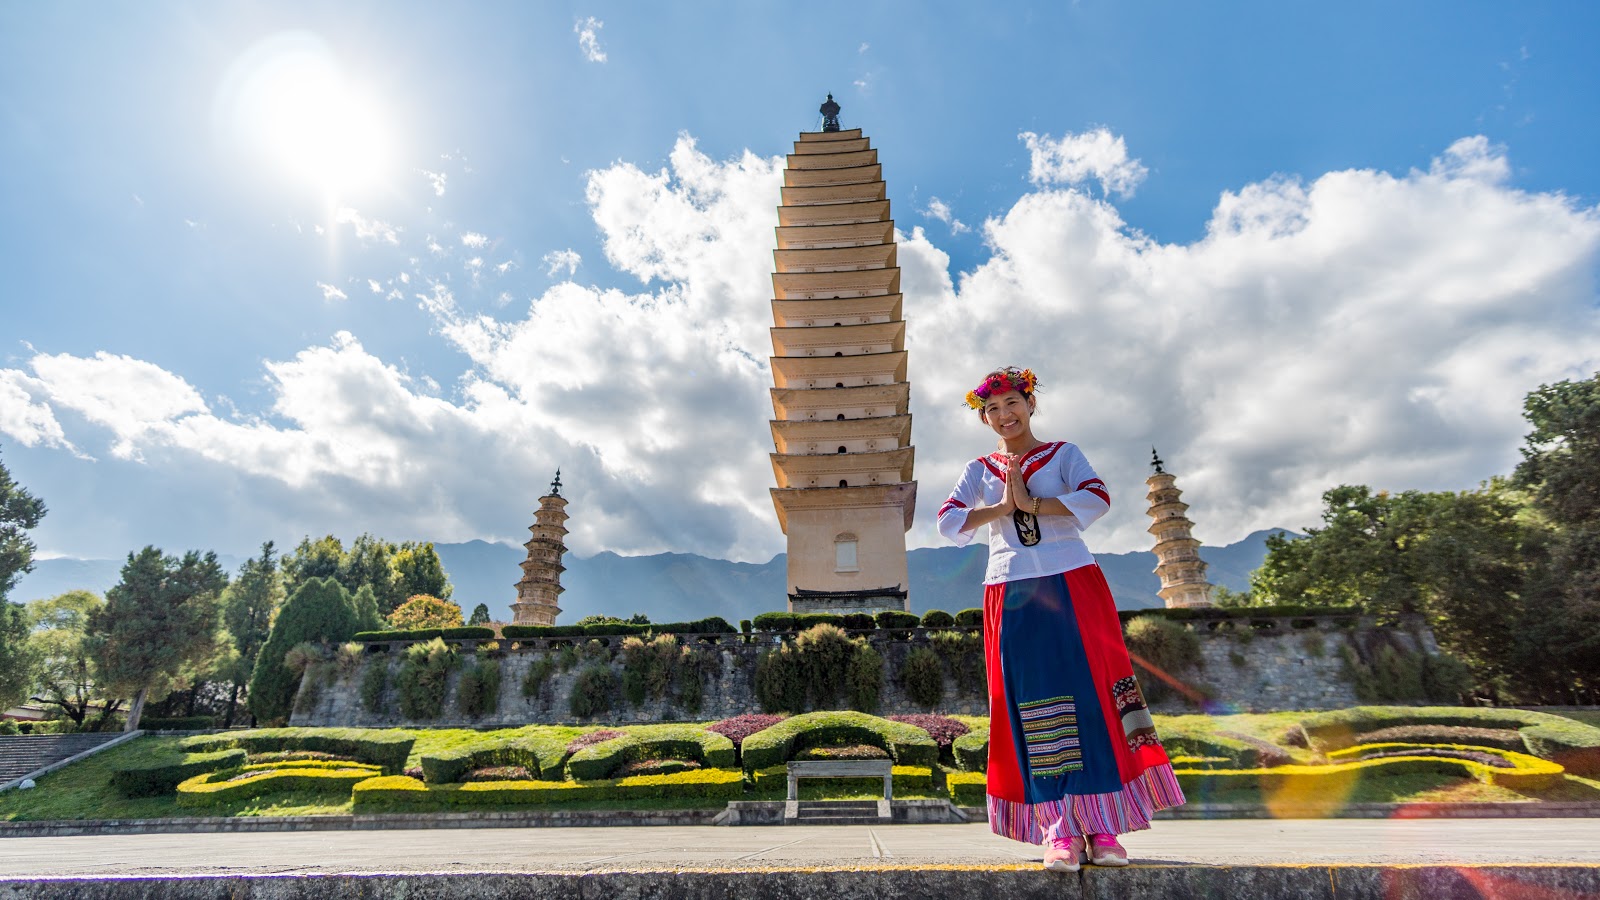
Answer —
(1072, 747)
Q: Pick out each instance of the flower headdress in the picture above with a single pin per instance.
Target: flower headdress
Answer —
(1002, 381)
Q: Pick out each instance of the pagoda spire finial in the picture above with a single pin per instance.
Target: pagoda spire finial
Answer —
(830, 114)
(555, 486)
(1155, 461)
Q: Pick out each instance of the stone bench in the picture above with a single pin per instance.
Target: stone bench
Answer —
(841, 768)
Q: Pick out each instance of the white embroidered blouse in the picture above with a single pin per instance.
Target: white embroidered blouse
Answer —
(1022, 545)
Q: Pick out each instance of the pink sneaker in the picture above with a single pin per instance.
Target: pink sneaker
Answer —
(1063, 855)
(1105, 851)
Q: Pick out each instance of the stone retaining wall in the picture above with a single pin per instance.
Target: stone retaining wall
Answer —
(1248, 665)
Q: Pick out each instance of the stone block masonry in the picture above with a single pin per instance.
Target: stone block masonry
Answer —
(1248, 665)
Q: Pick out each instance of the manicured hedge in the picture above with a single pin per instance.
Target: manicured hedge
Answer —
(905, 778)
(907, 744)
(1184, 740)
(520, 632)
(461, 632)
(1527, 772)
(858, 622)
(1574, 745)
(710, 749)
(970, 618)
(892, 619)
(782, 621)
(967, 788)
(718, 785)
(383, 747)
(971, 751)
(938, 618)
(1212, 614)
(215, 788)
(537, 751)
(160, 776)
(1531, 773)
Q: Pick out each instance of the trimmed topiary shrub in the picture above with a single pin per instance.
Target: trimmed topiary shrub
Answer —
(180, 723)
(229, 785)
(160, 776)
(518, 632)
(601, 760)
(1192, 736)
(971, 750)
(906, 779)
(938, 618)
(717, 786)
(773, 622)
(1573, 744)
(892, 619)
(907, 744)
(859, 622)
(737, 728)
(535, 750)
(970, 618)
(967, 788)
(922, 677)
(386, 748)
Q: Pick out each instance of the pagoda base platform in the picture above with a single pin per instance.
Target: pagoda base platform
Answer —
(840, 602)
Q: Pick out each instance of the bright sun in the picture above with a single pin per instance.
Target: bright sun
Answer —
(288, 100)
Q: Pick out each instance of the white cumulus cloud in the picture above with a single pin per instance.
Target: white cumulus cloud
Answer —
(556, 260)
(329, 292)
(938, 209)
(588, 32)
(1075, 159)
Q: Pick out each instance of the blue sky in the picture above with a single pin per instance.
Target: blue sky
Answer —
(198, 202)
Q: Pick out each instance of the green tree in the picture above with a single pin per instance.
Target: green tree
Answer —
(1561, 468)
(480, 615)
(319, 611)
(20, 512)
(418, 570)
(161, 616)
(248, 606)
(66, 675)
(371, 562)
(423, 611)
(322, 558)
(366, 603)
(18, 660)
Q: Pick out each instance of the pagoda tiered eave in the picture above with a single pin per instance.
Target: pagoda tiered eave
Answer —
(854, 370)
(827, 160)
(902, 495)
(829, 341)
(819, 436)
(820, 177)
(842, 403)
(835, 259)
(854, 468)
(812, 237)
(851, 311)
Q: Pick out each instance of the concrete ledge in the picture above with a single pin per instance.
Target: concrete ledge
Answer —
(544, 818)
(1529, 810)
(1353, 882)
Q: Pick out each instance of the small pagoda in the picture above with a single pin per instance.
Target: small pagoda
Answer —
(1178, 562)
(842, 424)
(541, 571)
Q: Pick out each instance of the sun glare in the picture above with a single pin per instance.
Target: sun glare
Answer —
(288, 102)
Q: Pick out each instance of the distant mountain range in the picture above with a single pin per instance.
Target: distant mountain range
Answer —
(674, 587)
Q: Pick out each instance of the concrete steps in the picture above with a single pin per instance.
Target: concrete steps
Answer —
(836, 812)
(22, 754)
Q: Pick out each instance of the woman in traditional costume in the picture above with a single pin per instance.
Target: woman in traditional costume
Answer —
(1074, 759)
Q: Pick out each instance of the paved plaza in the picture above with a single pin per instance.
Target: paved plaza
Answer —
(1298, 842)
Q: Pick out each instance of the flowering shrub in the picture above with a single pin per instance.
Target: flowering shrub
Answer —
(499, 773)
(738, 728)
(592, 738)
(424, 611)
(943, 729)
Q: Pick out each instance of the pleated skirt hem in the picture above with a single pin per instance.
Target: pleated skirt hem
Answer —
(1081, 814)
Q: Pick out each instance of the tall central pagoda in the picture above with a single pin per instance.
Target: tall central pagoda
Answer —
(842, 427)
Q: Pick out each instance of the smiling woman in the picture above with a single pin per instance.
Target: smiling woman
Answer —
(288, 101)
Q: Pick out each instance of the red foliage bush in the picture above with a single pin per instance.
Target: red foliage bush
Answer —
(943, 729)
(500, 773)
(592, 738)
(850, 751)
(738, 728)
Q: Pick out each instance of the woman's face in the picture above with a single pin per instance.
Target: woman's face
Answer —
(1008, 414)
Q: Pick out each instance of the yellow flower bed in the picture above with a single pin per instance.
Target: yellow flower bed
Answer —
(967, 788)
(213, 788)
(711, 784)
(1528, 772)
